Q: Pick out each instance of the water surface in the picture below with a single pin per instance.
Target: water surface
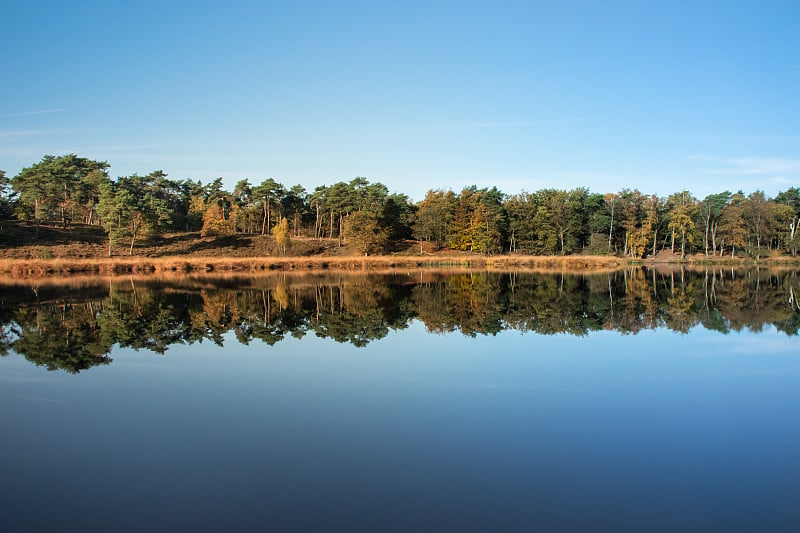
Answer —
(468, 402)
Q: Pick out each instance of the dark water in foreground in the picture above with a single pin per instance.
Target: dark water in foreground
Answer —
(637, 400)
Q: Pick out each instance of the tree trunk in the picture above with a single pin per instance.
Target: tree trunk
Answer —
(317, 222)
(655, 240)
(611, 228)
(714, 239)
(267, 215)
(64, 209)
(683, 245)
(133, 237)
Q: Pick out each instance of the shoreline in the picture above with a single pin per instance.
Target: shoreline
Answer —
(209, 265)
(184, 265)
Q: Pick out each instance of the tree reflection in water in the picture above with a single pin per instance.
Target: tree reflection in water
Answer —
(74, 327)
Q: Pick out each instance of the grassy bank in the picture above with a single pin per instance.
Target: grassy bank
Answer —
(30, 252)
(31, 268)
(222, 265)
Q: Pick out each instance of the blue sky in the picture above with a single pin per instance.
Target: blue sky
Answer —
(658, 96)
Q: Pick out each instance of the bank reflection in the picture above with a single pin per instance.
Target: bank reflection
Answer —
(74, 327)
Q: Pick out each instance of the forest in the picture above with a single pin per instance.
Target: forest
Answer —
(69, 190)
(76, 327)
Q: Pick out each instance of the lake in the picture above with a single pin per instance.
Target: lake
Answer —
(435, 401)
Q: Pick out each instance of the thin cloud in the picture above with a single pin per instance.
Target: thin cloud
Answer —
(757, 139)
(757, 166)
(524, 124)
(129, 147)
(19, 138)
(23, 155)
(496, 124)
(31, 113)
(16, 134)
(766, 165)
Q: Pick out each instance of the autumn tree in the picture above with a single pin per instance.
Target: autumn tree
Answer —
(732, 229)
(790, 200)
(478, 221)
(364, 233)
(483, 234)
(637, 233)
(682, 208)
(216, 221)
(490, 222)
(281, 233)
(759, 216)
(433, 217)
(709, 213)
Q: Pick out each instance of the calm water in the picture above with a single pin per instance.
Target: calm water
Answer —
(638, 400)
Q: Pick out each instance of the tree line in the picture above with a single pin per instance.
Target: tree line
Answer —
(75, 329)
(71, 190)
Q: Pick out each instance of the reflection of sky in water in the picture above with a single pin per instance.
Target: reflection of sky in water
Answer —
(656, 430)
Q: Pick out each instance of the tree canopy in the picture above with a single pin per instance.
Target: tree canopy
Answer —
(68, 190)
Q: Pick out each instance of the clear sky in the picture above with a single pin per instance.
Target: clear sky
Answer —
(658, 96)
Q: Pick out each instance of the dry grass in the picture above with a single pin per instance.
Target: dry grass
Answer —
(80, 252)
(182, 266)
